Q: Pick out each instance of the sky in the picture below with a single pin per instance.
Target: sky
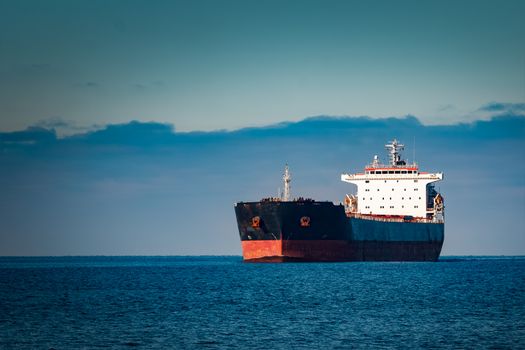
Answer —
(132, 127)
(207, 64)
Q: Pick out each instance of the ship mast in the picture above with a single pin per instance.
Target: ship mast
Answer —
(393, 151)
(287, 178)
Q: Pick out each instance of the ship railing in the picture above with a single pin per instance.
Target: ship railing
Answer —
(393, 219)
(390, 166)
(271, 199)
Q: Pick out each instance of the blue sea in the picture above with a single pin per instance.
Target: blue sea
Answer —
(223, 303)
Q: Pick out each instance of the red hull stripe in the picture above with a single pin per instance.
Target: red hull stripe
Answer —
(339, 250)
(261, 249)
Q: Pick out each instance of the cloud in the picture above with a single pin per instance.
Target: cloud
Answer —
(65, 128)
(52, 123)
(152, 134)
(88, 85)
(446, 108)
(152, 85)
(510, 108)
(30, 136)
(132, 133)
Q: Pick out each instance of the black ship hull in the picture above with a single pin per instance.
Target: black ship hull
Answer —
(321, 231)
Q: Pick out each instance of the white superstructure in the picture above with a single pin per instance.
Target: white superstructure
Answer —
(394, 189)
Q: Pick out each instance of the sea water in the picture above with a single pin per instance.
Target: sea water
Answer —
(221, 303)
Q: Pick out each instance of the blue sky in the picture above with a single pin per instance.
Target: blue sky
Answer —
(206, 65)
(131, 127)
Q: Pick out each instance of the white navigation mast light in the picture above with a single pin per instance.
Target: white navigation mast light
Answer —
(287, 178)
(393, 151)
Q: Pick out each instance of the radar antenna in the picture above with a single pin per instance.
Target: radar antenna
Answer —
(287, 178)
(393, 152)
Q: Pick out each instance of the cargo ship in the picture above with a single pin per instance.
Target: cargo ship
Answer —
(395, 215)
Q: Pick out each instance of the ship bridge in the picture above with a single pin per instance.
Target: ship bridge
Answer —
(393, 189)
